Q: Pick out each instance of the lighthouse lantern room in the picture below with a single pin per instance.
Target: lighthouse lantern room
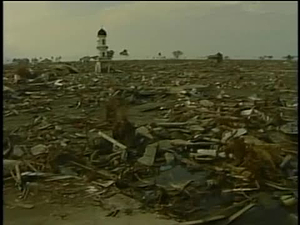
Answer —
(103, 63)
(101, 44)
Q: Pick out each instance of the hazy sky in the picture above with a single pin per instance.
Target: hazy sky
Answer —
(69, 29)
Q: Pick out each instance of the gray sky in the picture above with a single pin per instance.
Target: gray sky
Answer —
(69, 29)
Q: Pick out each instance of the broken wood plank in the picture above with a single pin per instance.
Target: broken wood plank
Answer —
(179, 142)
(279, 187)
(102, 173)
(172, 124)
(116, 143)
(239, 213)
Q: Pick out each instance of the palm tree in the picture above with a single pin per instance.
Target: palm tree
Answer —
(177, 54)
(289, 57)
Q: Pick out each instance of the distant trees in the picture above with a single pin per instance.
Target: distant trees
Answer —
(266, 57)
(110, 54)
(289, 57)
(177, 54)
(34, 60)
(226, 57)
(57, 59)
(21, 61)
(124, 53)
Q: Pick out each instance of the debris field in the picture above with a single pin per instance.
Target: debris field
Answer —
(193, 140)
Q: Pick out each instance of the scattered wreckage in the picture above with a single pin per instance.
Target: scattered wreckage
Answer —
(185, 140)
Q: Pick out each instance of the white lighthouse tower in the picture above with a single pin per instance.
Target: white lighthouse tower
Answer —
(101, 44)
(103, 59)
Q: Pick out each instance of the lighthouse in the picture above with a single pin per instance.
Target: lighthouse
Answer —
(103, 63)
(101, 44)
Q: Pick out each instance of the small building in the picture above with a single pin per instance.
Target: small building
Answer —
(94, 58)
(160, 56)
(218, 57)
(46, 61)
(85, 59)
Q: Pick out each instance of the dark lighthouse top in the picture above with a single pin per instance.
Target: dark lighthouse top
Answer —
(102, 32)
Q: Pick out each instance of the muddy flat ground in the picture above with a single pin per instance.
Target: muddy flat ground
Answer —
(45, 112)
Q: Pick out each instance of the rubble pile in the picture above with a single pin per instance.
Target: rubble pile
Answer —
(192, 140)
